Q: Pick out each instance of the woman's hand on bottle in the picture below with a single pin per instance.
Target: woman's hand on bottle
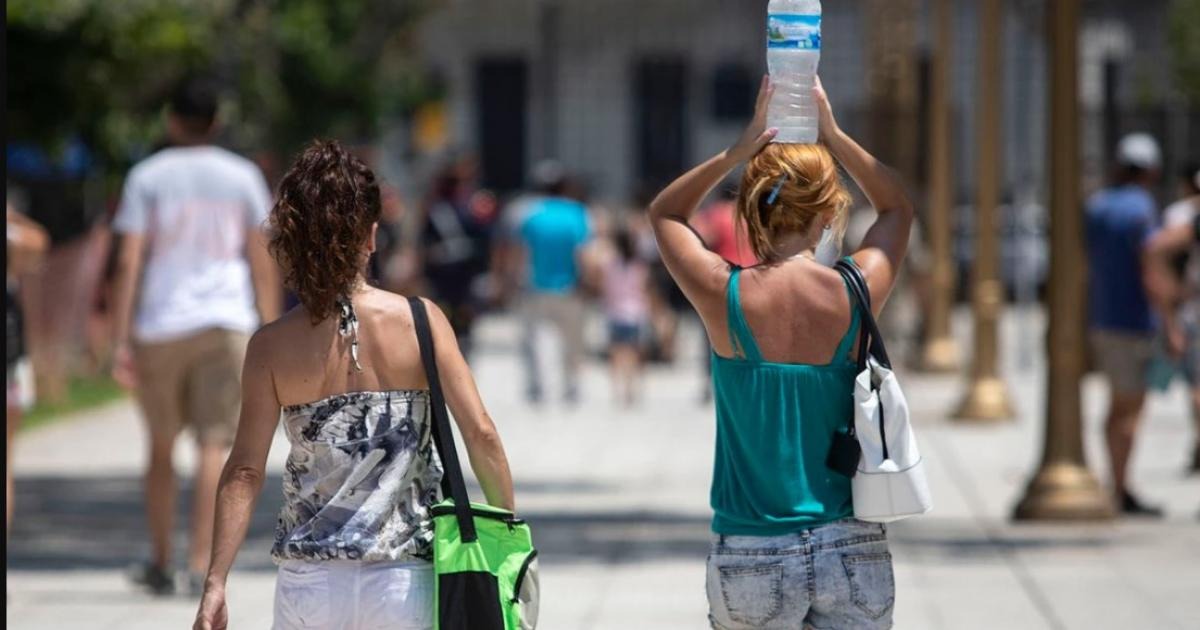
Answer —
(756, 136)
(827, 126)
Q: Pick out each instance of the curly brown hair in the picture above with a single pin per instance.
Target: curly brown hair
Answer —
(328, 201)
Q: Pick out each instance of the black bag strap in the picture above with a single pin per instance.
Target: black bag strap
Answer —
(870, 341)
(453, 484)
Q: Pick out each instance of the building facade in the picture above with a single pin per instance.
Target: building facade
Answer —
(627, 93)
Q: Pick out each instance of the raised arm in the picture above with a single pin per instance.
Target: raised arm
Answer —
(241, 480)
(883, 248)
(701, 273)
(484, 449)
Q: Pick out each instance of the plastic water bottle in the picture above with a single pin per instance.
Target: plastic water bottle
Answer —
(793, 51)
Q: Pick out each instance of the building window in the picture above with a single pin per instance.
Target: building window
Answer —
(733, 92)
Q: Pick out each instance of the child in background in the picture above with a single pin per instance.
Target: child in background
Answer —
(627, 309)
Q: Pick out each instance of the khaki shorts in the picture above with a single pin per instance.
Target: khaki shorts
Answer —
(1123, 357)
(193, 382)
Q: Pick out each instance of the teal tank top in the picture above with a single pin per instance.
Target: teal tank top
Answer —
(775, 425)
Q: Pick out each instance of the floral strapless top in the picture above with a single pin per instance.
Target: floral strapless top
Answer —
(360, 478)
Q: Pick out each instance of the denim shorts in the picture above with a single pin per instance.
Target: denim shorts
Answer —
(835, 576)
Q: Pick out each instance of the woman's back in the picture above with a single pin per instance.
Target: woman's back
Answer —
(778, 409)
(310, 362)
(362, 471)
(798, 311)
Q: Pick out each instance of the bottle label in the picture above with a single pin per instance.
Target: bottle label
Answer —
(787, 30)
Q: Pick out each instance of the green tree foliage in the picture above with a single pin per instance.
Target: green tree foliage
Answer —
(96, 69)
(1185, 46)
(101, 69)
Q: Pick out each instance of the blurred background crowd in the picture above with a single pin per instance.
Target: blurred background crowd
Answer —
(470, 108)
(520, 141)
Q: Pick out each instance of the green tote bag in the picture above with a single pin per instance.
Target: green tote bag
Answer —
(483, 556)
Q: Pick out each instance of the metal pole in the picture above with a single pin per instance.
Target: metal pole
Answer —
(941, 352)
(891, 36)
(987, 395)
(1063, 488)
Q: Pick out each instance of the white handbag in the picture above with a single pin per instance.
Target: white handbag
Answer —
(890, 482)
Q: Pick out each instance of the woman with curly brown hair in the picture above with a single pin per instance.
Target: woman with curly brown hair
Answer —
(353, 540)
(787, 551)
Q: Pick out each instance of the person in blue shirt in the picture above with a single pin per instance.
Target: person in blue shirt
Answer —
(551, 232)
(1122, 328)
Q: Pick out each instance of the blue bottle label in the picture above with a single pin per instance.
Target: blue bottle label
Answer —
(785, 30)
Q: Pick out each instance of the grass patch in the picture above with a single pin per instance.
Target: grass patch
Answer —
(83, 392)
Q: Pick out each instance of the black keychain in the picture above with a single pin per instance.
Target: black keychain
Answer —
(844, 452)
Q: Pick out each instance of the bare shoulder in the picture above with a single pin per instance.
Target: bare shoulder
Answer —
(391, 308)
(272, 338)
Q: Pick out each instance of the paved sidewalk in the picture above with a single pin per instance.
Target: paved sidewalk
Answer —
(618, 502)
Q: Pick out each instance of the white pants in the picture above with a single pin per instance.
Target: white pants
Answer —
(340, 595)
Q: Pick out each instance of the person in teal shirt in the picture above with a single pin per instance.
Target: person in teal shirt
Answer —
(552, 231)
(786, 550)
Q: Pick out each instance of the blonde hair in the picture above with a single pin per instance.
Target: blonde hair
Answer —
(811, 188)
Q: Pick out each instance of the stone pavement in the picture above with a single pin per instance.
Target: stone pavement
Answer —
(618, 503)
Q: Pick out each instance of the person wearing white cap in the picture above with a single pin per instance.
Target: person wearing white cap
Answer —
(1119, 220)
(1179, 303)
(1139, 150)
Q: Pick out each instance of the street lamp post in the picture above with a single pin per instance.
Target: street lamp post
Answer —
(987, 394)
(891, 82)
(1063, 488)
(941, 352)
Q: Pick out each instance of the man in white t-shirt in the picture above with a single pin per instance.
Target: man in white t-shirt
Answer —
(194, 280)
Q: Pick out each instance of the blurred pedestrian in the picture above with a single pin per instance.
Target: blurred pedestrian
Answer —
(354, 538)
(26, 242)
(627, 310)
(1119, 219)
(456, 240)
(783, 333)
(548, 236)
(721, 229)
(1178, 298)
(395, 265)
(667, 302)
(193, 280)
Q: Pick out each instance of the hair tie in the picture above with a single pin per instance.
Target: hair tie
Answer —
(775, 191)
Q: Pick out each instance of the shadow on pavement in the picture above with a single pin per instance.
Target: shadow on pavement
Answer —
(68, 523)
(65, 523)
(962, 540)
